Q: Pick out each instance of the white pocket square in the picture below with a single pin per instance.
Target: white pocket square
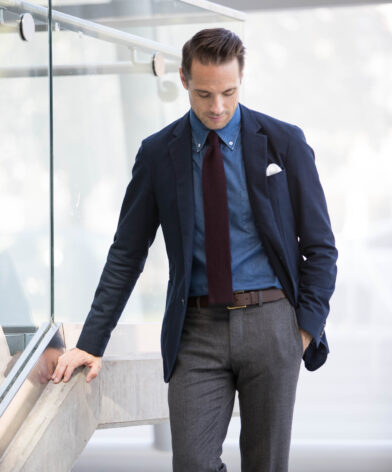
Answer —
(273, 169)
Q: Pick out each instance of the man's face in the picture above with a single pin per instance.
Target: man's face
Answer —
(213, 91)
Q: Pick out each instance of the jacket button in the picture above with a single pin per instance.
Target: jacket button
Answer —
(182, 301)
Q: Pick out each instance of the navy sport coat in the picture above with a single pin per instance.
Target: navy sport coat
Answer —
(290, 213)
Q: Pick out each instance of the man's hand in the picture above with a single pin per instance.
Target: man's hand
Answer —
(72, 359)
(306, 339)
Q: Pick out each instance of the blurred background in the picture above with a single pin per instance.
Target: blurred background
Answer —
(322, 66)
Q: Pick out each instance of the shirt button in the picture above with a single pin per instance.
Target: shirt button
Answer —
(231, 143)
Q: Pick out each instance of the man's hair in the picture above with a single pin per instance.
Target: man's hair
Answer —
(212, 45)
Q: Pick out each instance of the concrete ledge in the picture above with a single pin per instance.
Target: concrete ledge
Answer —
(126, 391)
(132, 392)
(57, 428)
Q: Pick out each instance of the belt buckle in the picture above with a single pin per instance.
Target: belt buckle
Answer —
(232, 307)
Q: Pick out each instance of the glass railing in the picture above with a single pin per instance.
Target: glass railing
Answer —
(24, 184)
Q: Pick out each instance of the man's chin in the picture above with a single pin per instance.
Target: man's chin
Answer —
(216, 124)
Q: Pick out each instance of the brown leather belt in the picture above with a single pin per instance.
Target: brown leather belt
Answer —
(242, 298)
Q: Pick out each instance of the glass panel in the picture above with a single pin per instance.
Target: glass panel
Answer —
(24, 182)
(99, 122)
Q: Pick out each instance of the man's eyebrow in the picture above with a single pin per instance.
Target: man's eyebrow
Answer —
(207, 91)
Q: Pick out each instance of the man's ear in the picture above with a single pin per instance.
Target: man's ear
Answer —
(183, 79)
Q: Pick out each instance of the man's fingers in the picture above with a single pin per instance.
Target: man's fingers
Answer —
(68, 372)
(72, 359)
(306, 339)
(66, 364)
(59, 371)
(93, 372)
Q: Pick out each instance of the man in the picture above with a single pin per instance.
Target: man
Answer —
(252, 264)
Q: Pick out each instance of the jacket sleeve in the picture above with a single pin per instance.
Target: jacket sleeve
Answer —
(317, 267)
(136, 230)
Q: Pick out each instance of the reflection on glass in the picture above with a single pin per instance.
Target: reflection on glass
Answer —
(46, 365)
(38, 368)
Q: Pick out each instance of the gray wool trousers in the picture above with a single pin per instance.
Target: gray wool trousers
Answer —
(255, 350)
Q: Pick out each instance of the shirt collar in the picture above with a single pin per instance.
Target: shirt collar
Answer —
(228, 134)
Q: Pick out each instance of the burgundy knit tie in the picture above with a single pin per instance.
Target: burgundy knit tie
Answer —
(216, 225)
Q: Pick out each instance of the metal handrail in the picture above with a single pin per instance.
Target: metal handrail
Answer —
(92, 29)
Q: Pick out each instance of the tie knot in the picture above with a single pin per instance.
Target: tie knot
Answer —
(213, 139)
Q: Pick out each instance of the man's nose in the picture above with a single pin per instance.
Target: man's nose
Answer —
(217, 105)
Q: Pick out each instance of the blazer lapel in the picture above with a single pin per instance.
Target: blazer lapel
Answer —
(180, 149)
(254, 153)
